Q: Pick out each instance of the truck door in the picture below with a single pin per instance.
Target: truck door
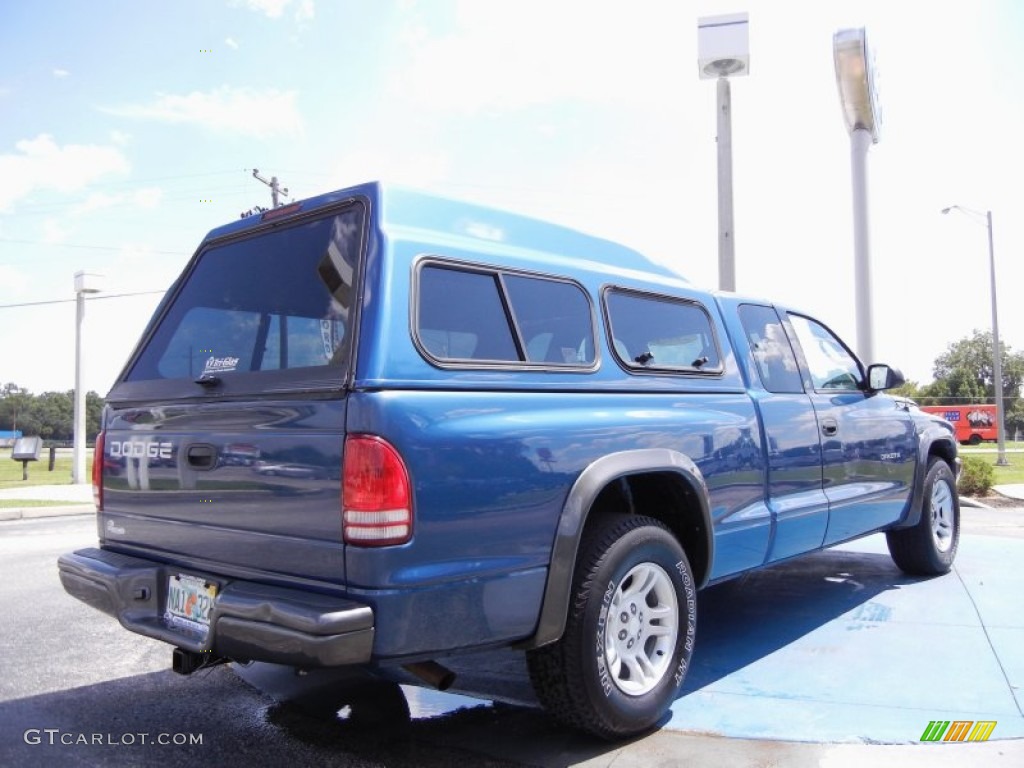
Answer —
(795, 497)
(869, 444)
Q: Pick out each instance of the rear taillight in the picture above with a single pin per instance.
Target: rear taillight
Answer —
(97, 473)
(376, 495)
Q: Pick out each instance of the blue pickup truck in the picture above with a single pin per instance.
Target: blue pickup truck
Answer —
(378, 429)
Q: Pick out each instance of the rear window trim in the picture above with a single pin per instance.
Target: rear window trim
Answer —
(425, 260)
(272, 383)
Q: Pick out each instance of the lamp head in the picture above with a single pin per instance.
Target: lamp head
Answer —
(947, 210)
(723, 46)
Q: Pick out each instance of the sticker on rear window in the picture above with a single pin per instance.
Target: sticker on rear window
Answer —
(220, 365)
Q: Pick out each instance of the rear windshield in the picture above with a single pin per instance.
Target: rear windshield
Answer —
(278, 301)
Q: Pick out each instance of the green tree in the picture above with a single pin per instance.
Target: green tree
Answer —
(910, 389)
(50, 415)
(93, 413)
(54, 412)
(966, 373)
(15, 403)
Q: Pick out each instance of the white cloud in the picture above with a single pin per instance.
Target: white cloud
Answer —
(148, 197)
(53, 233)
(13, 280)
(271, 8)
(230, 42)
(95, 202)
(140, 267)
(305, 11)
(41, 164)
(58, 72)
(507, 56)
(274, 9)
(120, 137)
(246, 111)
(414, 168)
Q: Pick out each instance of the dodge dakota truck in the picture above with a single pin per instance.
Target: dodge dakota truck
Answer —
(378, 429)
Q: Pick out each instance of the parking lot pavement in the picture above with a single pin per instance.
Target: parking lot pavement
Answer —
(57, 493)
(820, 660)
(840, 646)
(836, 648)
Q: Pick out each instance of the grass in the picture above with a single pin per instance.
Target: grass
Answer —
(16, 504)
(38, 474)
(1014, 473)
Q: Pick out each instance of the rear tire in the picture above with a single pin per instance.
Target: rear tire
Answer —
(929, 548)
(629, 634)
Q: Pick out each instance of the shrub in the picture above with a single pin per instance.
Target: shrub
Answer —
(976, 477)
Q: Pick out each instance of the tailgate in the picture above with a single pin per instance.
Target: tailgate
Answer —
(242, 489)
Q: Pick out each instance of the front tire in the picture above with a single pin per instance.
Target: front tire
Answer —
(929, 548)
(629, 634)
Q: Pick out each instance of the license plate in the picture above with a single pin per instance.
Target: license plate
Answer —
(189, 602)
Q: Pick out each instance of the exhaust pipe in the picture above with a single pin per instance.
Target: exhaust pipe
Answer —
(432, 673)
(186, 662)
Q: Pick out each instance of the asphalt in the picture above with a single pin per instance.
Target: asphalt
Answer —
(838, 647)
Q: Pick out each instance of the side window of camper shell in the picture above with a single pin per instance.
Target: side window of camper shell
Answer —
(468, 315)
(652, 332)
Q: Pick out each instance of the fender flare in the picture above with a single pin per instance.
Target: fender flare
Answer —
(926, 440)
(584, 492)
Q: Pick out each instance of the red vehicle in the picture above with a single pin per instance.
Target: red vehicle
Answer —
(973, 423)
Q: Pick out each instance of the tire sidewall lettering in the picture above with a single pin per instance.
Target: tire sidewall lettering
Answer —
(650, 551)
(603, 673)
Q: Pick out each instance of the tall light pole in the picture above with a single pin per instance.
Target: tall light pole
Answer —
(723, 50)
(84, 283)
(997, 361)
(858, 92)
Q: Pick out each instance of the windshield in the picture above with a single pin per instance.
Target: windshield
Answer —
(279, 301)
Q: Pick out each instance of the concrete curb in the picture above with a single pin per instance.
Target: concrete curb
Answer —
(1010, 491)
(968, 501)
(31, 513)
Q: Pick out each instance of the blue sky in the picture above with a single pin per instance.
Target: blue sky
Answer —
(128, 130)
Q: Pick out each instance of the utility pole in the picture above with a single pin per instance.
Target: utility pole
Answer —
(275, 189)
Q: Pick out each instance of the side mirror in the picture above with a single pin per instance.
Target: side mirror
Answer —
(883, 377)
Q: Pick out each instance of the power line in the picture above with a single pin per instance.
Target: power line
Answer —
(87, 298)
(117, 206)
(128, 185)
(88, 247)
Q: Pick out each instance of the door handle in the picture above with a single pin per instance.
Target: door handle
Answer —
(201, 456)
(830, 427)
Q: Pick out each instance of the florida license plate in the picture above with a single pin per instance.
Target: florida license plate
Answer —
(189, 602)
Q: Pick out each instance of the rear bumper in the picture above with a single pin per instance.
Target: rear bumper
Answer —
(249, 621)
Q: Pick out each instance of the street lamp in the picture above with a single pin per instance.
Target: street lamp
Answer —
(723, 49)
(858, 92)
(997, 363)
(84, 283)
